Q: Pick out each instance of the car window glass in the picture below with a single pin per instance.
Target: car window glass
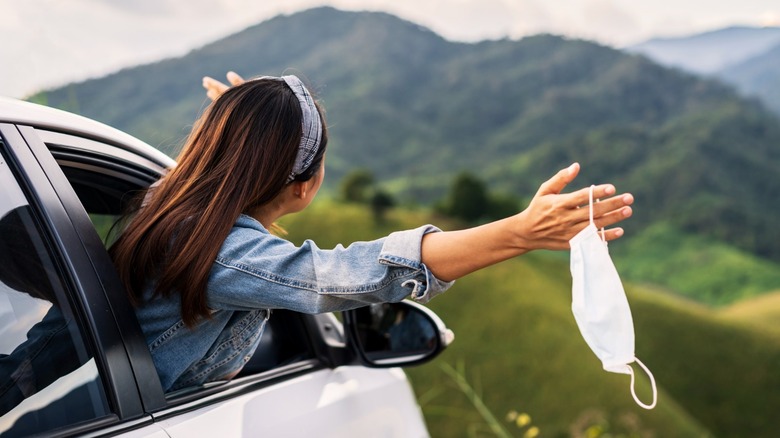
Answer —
(106, 226)
(48, 377)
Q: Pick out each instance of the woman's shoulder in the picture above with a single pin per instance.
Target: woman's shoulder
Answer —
(247, 222)
(249, 236)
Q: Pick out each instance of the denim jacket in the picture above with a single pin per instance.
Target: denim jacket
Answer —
(256, 272)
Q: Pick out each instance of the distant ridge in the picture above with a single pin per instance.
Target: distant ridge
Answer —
(415, 108)
(710, 52)
(758, 77)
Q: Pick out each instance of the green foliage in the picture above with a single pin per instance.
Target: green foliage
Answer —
(514, 328)
(470, 201)
(359, 187)
(412, 108)
(760, 313)
(468, 198)
(501, 205)
(381, 201)
(415, 109)
(699, 268)
(356, 186)
(458, 375)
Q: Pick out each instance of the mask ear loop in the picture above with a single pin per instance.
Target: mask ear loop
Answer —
(590, 209)
(652, 383)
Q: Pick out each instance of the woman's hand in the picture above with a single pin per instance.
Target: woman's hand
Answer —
(552, 218)
(549, 222)
(215, 88)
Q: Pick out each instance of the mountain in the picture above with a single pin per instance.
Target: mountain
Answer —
(745, 57)
(415, 109)
(758, 76)
(710, 52)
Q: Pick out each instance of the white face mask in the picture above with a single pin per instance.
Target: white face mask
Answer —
(600, 306)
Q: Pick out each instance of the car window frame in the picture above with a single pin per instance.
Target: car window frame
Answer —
(78, 276)
(54, 149)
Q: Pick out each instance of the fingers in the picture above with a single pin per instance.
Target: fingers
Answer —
(582, 196)
(613, 233)
(608, 211)
(234, 78)
(559, 181)
(213, 87)
(613, 217)
(606, 206)
(553, 218)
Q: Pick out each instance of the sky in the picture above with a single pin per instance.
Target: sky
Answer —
(48, 43)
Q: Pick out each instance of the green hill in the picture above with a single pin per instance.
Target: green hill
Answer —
(701, 269)
(518, 340)
(416, 109)
(762, 313)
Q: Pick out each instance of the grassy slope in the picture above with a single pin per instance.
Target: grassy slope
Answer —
(518, 340)
(761, 313)
(516, 335)
(695, 266)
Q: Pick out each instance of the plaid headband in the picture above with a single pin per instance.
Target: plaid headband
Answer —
(310, 123)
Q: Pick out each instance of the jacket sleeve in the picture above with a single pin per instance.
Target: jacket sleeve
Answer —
(258, 270)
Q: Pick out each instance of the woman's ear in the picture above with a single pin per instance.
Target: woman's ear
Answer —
(299, 189)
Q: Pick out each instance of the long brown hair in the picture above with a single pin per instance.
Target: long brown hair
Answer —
(237, 158)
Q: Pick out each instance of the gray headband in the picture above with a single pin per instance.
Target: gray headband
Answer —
(310, 123)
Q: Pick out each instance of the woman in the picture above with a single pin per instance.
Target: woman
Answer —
(204, 271)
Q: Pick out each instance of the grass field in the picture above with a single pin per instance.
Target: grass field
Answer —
(521, 350)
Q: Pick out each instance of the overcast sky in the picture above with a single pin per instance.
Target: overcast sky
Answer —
(52, 42)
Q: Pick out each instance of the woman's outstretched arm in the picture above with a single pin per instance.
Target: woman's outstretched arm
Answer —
(550, 220)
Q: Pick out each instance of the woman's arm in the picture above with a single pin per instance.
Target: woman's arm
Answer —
(550, 220)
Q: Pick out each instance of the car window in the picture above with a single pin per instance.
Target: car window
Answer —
(105, 185)
(48, 376)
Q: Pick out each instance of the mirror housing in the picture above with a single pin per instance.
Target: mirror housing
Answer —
(395, 334)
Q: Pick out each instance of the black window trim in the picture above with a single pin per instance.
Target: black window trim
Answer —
(35, 176)
(129, 335)
(86, 151)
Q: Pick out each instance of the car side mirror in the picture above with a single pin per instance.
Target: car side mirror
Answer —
(396, 334)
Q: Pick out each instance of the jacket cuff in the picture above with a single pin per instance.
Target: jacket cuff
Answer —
(403, 248)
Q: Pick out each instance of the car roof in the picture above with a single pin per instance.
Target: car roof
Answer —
(39, 116)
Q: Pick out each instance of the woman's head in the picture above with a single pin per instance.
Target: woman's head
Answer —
(255, 141)
(251, 141)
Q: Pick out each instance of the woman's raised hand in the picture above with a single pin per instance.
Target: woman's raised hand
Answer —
(215, 88)
(553, 218)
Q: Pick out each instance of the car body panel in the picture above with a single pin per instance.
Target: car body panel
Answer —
(350, 401)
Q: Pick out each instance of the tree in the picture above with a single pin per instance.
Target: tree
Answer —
(356, 186)
(468, 198)
(381, 201)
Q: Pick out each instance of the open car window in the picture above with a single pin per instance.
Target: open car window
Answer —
(106, 180)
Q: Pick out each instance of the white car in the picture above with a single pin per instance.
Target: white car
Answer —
(73, 360)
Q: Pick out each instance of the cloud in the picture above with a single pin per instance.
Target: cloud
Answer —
(55, 42)
(770, 18)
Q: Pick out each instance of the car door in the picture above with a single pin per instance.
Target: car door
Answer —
(65, 368)
(293, 385)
